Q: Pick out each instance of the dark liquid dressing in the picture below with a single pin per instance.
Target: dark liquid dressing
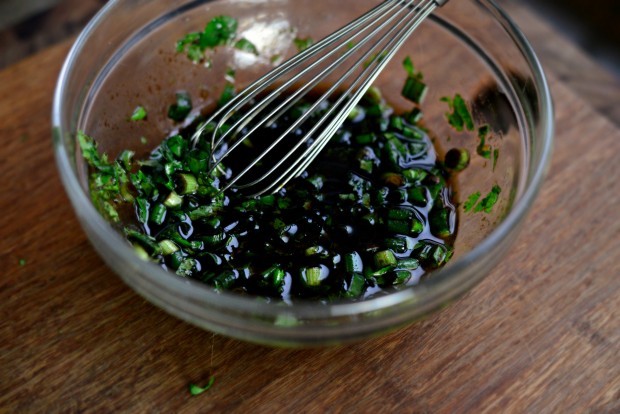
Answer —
(305, 228)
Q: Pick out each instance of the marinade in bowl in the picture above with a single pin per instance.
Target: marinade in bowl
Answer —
(477, 53)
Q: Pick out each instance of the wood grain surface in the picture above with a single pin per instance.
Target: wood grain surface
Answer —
(540, 335)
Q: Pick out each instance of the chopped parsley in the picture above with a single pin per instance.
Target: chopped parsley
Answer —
(197, 390)
(458, 117)
(139, 113)
(22, 262)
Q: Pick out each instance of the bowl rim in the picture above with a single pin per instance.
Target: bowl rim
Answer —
(442, 287)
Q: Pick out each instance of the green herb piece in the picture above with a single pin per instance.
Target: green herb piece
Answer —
(459, 117)
(183, 106)
(487, 203)
(303, 44)
(471, 201)
(22, 262)
(139, 113)
(457, 159)
(197, 390)
(247, 46)
(483, 149)
(143, 140)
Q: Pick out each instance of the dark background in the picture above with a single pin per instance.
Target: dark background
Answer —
(29, 25)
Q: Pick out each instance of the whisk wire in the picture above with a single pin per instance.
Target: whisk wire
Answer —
(302, 162)
(285, 105)
(408, 15)
(290, 100)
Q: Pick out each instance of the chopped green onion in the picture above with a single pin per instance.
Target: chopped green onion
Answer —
(385, 258)
(173, 200)
(440, 222)
(356, 286)
(408, 264)
(353, 263)
(414, 90)
(168, 247)
(158, 215)
(402, 276)
(457, 159)
(187, 184)
(313, 276)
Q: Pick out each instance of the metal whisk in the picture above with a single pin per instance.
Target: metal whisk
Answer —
(361, 49)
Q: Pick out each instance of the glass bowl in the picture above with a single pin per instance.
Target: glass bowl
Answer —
(126, 56)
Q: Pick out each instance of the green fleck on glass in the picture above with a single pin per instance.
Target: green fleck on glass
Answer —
(139, 114)
(483, 149)
(197, 390)
(414, 89)
(471, 201)
(489, 201)
(303, 44)
(459, 116)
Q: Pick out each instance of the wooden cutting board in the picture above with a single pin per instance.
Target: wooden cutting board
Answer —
(540, 334)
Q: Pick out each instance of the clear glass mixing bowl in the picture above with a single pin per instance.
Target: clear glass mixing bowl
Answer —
(126, 56)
